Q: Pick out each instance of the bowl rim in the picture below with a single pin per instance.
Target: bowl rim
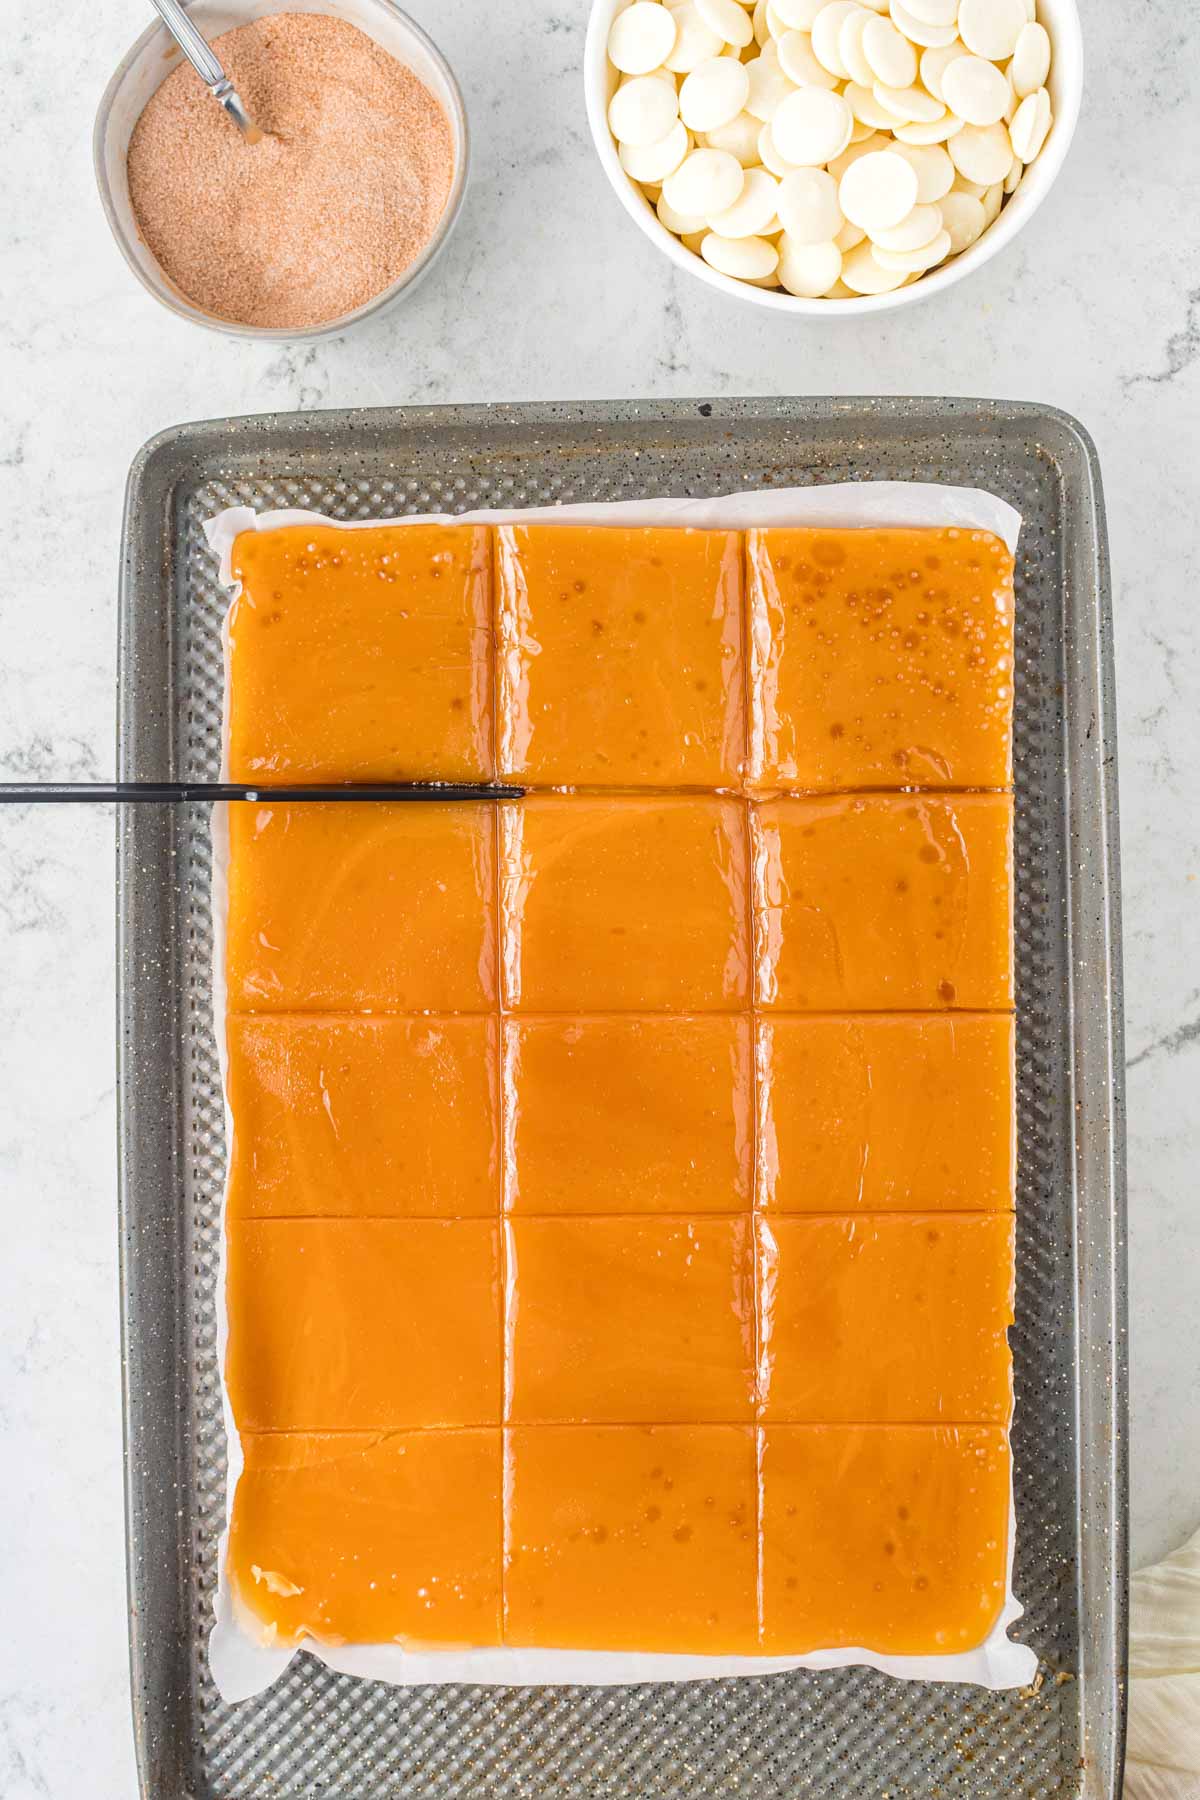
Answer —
(168, 295)
(1068, 55)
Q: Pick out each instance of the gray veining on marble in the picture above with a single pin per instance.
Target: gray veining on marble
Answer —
(547, 291)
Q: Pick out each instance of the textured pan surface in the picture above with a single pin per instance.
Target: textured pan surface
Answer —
(847, 1734)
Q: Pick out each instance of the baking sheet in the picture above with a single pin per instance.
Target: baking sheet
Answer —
(242, 1663)
(822, 1734)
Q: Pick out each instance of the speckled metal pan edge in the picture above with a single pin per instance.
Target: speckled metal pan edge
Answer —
(850, 1733)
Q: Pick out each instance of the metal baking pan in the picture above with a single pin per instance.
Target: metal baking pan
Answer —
(846, 1734)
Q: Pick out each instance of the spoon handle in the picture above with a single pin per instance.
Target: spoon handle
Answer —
(191, 41)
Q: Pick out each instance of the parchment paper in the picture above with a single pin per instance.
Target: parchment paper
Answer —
(242, 1662)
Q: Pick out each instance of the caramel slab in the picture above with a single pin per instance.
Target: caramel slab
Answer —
(630, 1319)
(879, 902)
(629, 1115)
(369, 1538)
(625, 905)
(886, 1318)
(875, 1113)
(880, 658)
(363, 1324)
(361, 655)
(631, 1538)
(892, 1538)
(346, 1117)
(361, 907)
(620, 656)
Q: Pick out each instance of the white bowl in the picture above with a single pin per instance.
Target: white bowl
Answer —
(1061, 19)
(153, 58)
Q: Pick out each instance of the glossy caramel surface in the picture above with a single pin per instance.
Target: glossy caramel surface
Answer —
(889, 1537)
(881, 658)
(620, 1319)
(356, 907)
(614, 1114)
(361, 655)
(340, 1116)
(878, 902)
(370, 1537)
(621, 1190)
(631, 1537)
(620, 655)
(895, 1318)
(363, 1324)
(882, 1113)
(626, 905)
(607, 656)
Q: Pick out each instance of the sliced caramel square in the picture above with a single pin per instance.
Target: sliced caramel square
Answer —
(363, 1324)
(616, 904)
(630, 1114)
(876, 1114)
(361, 906)
(884, 902)
(631, 1538)
(620, 656)
(361, 654)
(630, 1319)
(345, 1117)
(887, 1317)
(880, 658)
(892, 1538)
(369, 1538)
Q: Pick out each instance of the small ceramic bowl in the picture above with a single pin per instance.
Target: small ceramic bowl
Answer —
(155, 56)
(1061, 19)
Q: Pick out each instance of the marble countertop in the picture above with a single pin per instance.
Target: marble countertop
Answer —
(547, 291)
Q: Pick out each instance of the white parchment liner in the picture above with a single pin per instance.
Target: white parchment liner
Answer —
(242, 1662)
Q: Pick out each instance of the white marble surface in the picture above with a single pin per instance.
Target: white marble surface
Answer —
(547, 292)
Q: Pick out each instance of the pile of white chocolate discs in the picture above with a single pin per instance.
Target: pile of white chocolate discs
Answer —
(829, 147)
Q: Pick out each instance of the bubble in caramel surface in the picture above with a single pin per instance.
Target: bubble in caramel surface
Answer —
(620, 1209)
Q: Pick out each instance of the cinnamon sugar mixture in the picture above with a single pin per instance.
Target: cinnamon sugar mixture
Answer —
(327, 210)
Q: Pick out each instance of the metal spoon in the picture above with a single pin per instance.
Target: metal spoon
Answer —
(199, 53)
